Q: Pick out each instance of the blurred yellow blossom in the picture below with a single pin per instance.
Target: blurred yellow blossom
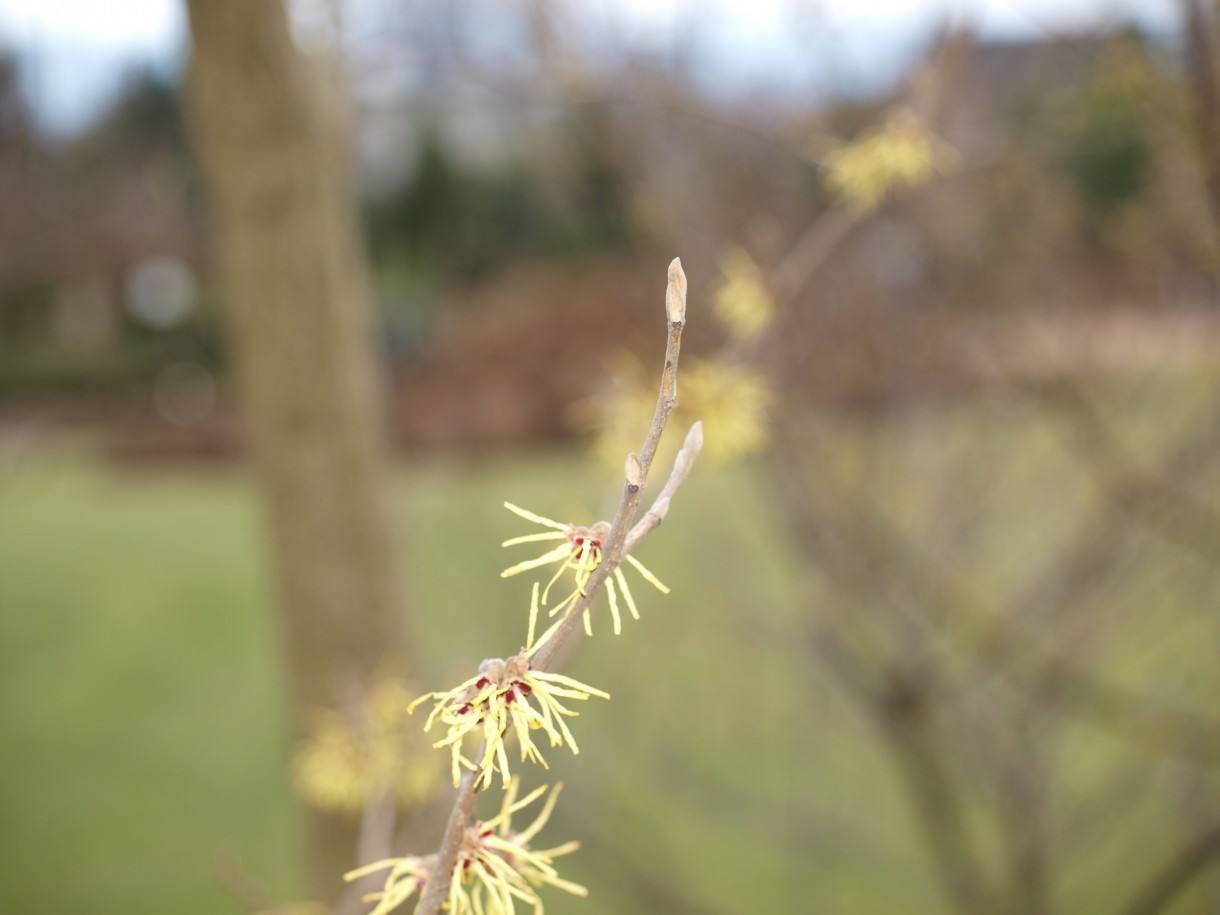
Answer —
(742, 303)
(581, 551)
(900, 153)
(351, 757)
(505, 694)
(733, 401)
(734, 404)
(617, 417)
(494, 869)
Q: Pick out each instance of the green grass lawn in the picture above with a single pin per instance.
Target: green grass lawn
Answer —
(143, 729)
(144, 734)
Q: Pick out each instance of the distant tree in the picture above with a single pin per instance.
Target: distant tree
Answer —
(300, 325)
(1109, 151)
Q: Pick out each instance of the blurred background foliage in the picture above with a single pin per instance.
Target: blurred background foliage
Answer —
(942, 633)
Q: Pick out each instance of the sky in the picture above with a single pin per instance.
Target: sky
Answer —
(77, 52)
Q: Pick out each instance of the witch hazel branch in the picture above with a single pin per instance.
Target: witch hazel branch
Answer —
(515, 707)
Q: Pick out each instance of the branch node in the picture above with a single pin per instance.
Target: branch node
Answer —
(634, 472)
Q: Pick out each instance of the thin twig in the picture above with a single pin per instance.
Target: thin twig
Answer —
(636, 473)
(374, 843)
(683, 463)
(1176, 875)
(621, 539)
(437, 888)
(234, 880)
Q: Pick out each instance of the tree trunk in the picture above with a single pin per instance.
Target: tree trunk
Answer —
(299, 321)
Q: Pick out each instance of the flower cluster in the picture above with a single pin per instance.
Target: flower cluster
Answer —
(495, 867)
(742, 303)
(581, 551)
(732, 399)
(360, 753)
(736, 401)
(901, 153)
(506, 696)
(405, 877)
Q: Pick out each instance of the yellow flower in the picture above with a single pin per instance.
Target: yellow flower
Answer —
(502, 864)
(580, 551)
(617, 416)
(503, 696)
(742, 303)
(495, 865)
(733, 401)
(405, 877)
(902, 152)
(354, 756)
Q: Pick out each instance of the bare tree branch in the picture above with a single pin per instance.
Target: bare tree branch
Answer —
(616, 548)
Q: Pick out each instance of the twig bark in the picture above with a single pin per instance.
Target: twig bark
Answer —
(375, 842)
(620, 541)
(683, 463)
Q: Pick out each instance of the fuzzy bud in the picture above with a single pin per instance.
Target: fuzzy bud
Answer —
(694, 440)
(675, 293)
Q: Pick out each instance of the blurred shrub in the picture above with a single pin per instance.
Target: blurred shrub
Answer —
(1104, 122)
(460, 224)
